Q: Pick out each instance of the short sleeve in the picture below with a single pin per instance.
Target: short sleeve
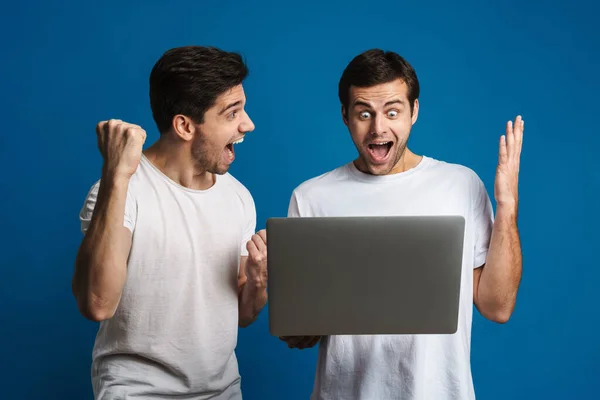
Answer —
(299, 207)
(249, 222)
(85, 215)
(294, 207)
(483, 221)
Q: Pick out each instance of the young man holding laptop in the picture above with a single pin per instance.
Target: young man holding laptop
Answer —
(379, 94)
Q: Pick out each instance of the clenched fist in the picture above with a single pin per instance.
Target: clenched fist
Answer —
(120, 144)
(256, 266)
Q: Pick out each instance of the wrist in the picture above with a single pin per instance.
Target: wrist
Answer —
(507, 211)
(115, 178)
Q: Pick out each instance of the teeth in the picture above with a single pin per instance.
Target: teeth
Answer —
(238, 141)
(380, 143)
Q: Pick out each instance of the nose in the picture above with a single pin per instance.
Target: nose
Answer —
(378, 126)
(247, 125)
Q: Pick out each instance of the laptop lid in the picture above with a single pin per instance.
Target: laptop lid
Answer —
(364, 275)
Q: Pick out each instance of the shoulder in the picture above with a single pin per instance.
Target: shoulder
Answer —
(238, 188)
(455, 172)
(323, 182)
(133, 186)
(459, 178)
(450, 168)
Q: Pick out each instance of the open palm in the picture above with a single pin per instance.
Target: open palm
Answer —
(506, 188)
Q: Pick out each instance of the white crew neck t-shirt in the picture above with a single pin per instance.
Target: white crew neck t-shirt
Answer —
(175, 330)
(401, 367)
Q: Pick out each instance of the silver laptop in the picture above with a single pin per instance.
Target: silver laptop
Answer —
(364, 275)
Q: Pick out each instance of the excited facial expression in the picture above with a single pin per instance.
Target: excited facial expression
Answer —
(225, 125)
(379, 119)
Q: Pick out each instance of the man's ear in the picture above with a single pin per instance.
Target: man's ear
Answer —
(415, 111)
(344, 115)
(184, 127)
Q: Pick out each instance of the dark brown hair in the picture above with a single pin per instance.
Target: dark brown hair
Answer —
(374, 67)
(187, 80)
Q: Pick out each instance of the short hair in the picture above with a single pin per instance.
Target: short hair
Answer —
(187, 80)
(374, 67)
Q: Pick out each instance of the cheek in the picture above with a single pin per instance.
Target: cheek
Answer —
(401, 127)
(213, 141)
(205, 147)
(199, 141)
(358, 131)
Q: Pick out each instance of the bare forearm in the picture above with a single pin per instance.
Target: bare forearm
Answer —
(501, 276)
(253, 298)
(100, 267)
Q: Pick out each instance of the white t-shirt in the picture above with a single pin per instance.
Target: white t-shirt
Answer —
(175, 329)
(401, 367)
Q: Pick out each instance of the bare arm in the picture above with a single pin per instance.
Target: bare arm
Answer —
(101, 263)
(495, 285)
(252, 295)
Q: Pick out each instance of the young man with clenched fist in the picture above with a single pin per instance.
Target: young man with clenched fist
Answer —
(170, 264)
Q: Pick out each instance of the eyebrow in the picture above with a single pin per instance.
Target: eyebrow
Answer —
(227, 107)
(361, 103)
(395, 101)
(389, 103)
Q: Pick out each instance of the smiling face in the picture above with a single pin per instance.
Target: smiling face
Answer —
(225, 124)
(380, 119)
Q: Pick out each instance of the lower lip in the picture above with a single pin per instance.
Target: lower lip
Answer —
(228, 155)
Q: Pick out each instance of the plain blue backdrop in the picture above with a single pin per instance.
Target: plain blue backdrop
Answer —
(66, 65)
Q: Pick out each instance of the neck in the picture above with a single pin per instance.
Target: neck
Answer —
(409, 160)
(172, 156)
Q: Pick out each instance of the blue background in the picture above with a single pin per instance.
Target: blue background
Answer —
(67, 65)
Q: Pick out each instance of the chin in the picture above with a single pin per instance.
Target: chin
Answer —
(220, 170)
(365, 165)
(379, 169)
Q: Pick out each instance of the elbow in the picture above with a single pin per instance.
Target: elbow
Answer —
(93, 309)
(500, 317)
(497, 313)
(97, 314)
(94, 312)
(95, 302)
(498, 309)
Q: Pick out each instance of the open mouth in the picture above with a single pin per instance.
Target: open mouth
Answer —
(379, 151)
(229, 152)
